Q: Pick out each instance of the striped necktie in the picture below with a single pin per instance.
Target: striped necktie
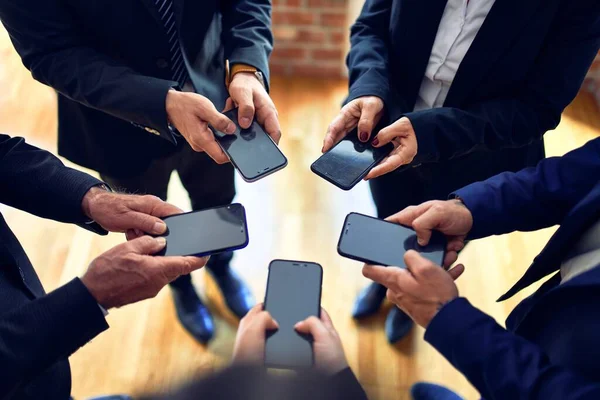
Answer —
(167, 16)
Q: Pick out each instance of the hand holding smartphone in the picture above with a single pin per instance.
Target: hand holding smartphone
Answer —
(293, 294)
(375, 241)
(251, 151)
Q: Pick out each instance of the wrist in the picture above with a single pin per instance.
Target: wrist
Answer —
(90, 198)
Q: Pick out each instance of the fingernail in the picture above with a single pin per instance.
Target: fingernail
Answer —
(161, 241)
(230, 129)
(421, 242)
(246, 121)
(364, 136)
(375, 142)
(159, 227)
(297, 325)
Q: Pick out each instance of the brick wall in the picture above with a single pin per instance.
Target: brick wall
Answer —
(311, 37)
(592, 83)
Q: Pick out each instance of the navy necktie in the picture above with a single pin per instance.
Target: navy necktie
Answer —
(167, 16)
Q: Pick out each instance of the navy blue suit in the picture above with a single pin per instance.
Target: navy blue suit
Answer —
(525, 66)
(109, 63)
(39, 331)
(551, 347)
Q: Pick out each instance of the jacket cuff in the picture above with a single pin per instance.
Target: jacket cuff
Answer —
(424, 126)
(448, 328)
(476, 198)
(74, 185)
(371, 83)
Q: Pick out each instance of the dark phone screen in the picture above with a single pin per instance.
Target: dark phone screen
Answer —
(350, 159)
(251, 150)
(385, 243)
(206, 232)
(293, 294)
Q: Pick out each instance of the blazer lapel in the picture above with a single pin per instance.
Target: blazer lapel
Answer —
(153, 10)
(151, 6)
(548, 261)
(502, 25)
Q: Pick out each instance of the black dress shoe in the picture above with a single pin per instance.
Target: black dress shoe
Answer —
(369, 300)
(397, 325)
(192, 313)
(237, 294)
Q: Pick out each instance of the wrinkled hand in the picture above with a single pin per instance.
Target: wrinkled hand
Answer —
(450, 217)
(327, 345)
(421, 290)
(191, 113)
(253, 100)
(251, 336)
(128, 273)
(402, 135)
(132, 214)
(363, 112)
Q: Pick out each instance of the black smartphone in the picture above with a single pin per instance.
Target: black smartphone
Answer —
(349, 161)
(375, 241)
(206, 232)
(251, 151)
(293, 294)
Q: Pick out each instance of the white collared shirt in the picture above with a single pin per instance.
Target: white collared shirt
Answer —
(458, 28)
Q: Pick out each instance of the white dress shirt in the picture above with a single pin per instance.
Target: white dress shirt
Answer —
(584, 256)
(458, 28)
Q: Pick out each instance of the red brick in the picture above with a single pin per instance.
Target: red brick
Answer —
(298, 18)
(311, 35)
(317, 71)
(339, 38)
(289, 53)
(279, 68)
(327, 54)
(341, 4)
(333, 19)
(291, 3)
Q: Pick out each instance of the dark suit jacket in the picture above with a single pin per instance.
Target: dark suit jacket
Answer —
(551, 347)
(39, 331)
(524, 67)
(108, 60)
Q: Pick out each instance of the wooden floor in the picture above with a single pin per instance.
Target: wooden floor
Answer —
(292, 214)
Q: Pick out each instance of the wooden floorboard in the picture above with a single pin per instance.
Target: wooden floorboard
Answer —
(292, 214)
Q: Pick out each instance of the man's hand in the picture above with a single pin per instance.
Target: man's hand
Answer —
(191, 113)
(327, 346)
(451, 217)
(252, 99)
(364, 112)
(421, 290)
(251, 336)
(134, 215)
(128, 273)
(402, 135)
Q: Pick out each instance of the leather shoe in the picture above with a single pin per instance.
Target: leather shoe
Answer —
(237, 294)
(397, 325)
(369, 301)
(429, 391)
(113, 397)
(193, 314)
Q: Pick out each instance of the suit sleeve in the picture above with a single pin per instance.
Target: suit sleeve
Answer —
(35, 181)
(533, 198)
(345, 382)
(57, 53)
(368, 57)
(526, 115)
(498, 363)
(44, 331)
(247, 35)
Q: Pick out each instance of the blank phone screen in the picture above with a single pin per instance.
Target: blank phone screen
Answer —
(251, 150)
(348, 161)
(293, 294)
(206, 232)
(384, 243)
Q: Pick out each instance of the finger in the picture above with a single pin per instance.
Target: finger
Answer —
(457, 271)
(313, 326)
(154, 206)
(175, 267)
(145, 223)
(130, 234)
(243, 97)
(271, 124)
(409, 214)
(389, 164)
(368, 119)
(456, 244)
(266, 322)
(377, 273)
(229, 105)
(208, 113)
(399, 128)
(338, 128)
(146, 245)
(450, 258)
(416, 263)
(255, 310)
(326, 319)
(210, 146)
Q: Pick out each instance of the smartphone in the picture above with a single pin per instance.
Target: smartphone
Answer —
(349, 161)
(206, 232)
(375, 241)
(251, 151)
(293, 294)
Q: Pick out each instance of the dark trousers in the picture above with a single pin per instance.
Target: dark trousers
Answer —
(208, 185)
